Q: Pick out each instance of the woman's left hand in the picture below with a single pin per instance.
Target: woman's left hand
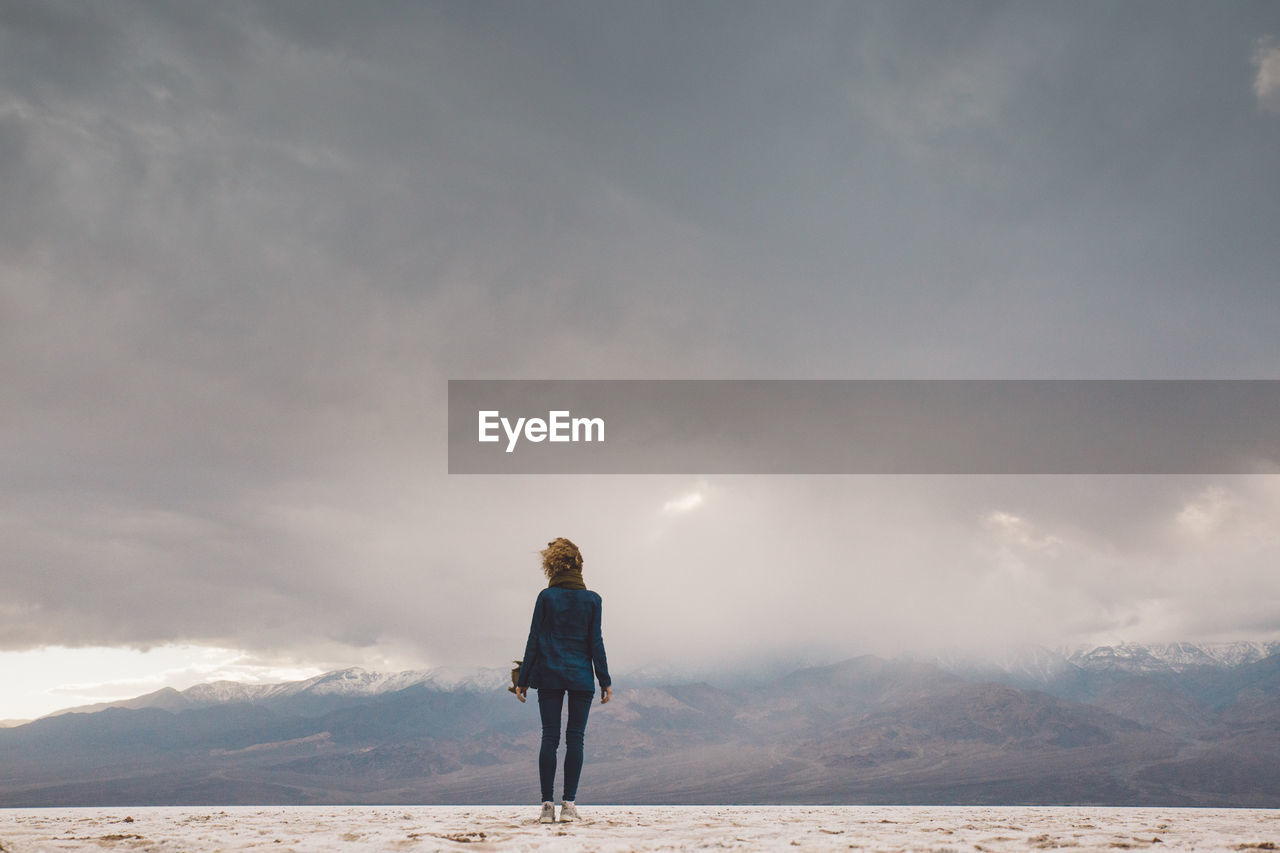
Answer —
(521, 693)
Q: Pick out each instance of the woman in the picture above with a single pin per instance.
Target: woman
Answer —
(564, 645)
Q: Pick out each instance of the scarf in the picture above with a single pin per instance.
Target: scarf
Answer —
(568, 579)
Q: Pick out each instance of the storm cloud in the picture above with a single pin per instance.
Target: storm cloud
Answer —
(243, 246)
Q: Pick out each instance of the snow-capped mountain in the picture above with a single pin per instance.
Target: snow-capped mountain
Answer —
(875, 729)
(343, 682)
(1030, 665)
(1169, 657)
(1024, 664)
(336, 685)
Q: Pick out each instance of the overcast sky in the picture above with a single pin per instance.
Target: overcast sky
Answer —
(243, 246)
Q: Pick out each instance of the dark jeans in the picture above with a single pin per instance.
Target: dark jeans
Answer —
(549, 704)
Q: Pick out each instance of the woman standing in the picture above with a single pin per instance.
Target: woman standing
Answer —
(564, 645)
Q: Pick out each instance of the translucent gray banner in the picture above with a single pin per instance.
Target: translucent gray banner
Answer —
(864, 426)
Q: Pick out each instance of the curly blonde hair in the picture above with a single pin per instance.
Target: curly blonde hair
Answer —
(560, 555)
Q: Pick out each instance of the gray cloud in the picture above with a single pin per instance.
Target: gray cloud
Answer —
(243, 246)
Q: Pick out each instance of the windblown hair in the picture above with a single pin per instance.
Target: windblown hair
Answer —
(560, 555)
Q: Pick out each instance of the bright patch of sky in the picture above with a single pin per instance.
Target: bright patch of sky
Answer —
(39, 681)
(687, 502)
(1267, 83)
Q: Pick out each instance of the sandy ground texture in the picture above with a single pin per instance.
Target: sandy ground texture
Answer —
(627, 828)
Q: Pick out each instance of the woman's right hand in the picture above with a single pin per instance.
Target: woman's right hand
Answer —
(606, 694)
(521, 693)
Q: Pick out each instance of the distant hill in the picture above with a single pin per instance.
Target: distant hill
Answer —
(1176, 725)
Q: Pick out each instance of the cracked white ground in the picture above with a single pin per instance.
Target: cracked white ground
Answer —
(626, 828)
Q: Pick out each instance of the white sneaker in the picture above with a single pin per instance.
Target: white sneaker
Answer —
(568, 812)
(548, 813)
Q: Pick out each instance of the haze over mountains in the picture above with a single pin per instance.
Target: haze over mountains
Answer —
(1178, 724)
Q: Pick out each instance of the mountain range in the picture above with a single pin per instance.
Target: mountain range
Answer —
(1171, 725)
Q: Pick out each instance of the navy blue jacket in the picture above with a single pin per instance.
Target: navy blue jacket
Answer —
(565, 642)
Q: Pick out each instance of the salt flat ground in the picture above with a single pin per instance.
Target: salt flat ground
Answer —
(628, 828)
